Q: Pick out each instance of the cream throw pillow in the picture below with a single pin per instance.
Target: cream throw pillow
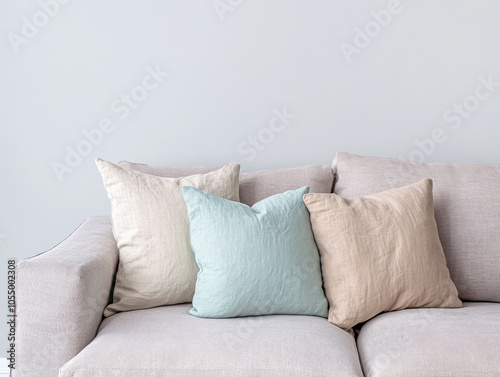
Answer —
(150, 224)
(380, 253)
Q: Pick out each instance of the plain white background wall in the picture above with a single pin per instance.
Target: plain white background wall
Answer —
(378, 90)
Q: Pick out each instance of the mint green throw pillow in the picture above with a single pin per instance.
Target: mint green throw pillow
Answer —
(254, 260)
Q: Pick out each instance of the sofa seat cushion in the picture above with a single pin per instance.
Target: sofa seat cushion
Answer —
(167, 341)
(461, 342)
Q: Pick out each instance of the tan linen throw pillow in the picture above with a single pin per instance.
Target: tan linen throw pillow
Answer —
(150, 224)
(380, 253)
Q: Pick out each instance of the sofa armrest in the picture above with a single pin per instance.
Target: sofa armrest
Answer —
(61, 295)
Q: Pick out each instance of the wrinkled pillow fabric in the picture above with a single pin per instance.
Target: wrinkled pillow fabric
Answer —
(254, 260)
(380, 253)
(151, 227)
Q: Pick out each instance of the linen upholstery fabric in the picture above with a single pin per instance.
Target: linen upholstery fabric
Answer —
(254, 260)
(467, 212)
(168, 342)
(380, 253)
(61, 295)
(259, 185)
(151, 227)
(433, 342)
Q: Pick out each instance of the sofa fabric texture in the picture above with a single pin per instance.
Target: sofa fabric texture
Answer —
(254, 260)
(467, 212)
(168, 342)
(433, 342)
(259, 185)
(380, 253)
(151, 227)
(61, 295)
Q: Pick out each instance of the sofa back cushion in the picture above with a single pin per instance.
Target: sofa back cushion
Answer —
(467, 210)
(258, 185)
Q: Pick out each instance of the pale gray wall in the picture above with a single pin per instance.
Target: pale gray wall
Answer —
(227, 74)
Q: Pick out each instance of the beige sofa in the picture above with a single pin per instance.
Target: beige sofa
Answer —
(62, 293)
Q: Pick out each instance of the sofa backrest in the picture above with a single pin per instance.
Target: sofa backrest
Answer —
(467, 210)
(258, 185)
